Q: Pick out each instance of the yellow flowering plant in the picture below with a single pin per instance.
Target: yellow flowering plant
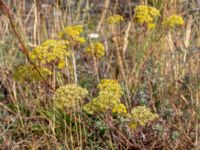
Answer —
(146, 15)
(101, 103)
(119, 109)
(111, 86)
(72, 33)
(28, 73)
(115, 19)
(140, 116)
(108, 99)
(173, 21)
(52, 51)
(96, 48)
(70, 96)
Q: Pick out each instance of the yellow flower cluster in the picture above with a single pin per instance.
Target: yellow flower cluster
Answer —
(151, 25)
(173, 21)
(96, 48)
(51, 51)
(70, 96)
(72, 33)
(108, 99)
(140, 116)
(119, 109)
(110, 87)
(28, 73)
(115, 19)
(146, 14)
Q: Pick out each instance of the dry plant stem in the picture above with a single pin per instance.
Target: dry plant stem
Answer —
(120, 64)
(125, 44)
(74, 66)
(95, 65)
(110, 140)
(80, 132)
(5, 11)
(65, 135)
(76, 128)
(5, 107)
(29, 15)
(188, 32)
(106, 5)
(126, 36)
(35, 23)
(54, 77)
(71, 134)
(17, 104)
(54, 121)
(187, 37)
(176, 66)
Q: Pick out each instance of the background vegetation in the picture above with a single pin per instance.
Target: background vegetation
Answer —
(157, 68)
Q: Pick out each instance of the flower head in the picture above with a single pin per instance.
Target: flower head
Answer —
(154, 12)
(145, 14)
(51, 51)
(96, 48)
(115, 19)
(70, 96)
(109, 86)
(108, 98)
(119, 109)
(140, 116)
(151, 26)
(100, 104)
(72, 33)
(29, 73)
(173, 21)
